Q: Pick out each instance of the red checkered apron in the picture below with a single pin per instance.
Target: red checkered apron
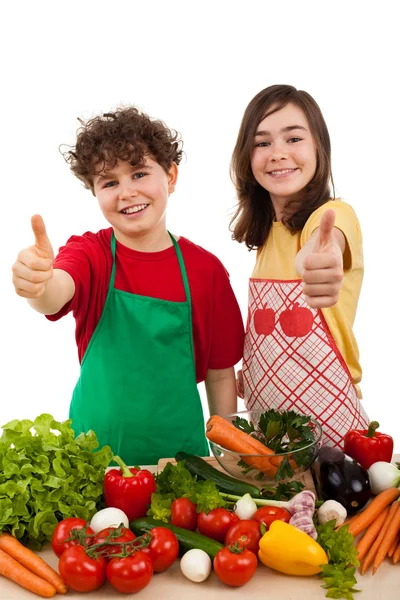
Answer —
(292, 362)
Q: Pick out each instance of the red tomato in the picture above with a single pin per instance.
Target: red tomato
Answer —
(235, 568)
(216, 523)
(269, 514)
(103, 536)
(184, 514)
(130, 574)
(80, 572)
(163, 548)
(63, 531)
(246, 533)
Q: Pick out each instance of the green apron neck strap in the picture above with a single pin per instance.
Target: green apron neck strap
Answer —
(183, 271)
(113, 250)
(180, 260)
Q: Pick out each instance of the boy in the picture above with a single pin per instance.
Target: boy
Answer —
(155, 314)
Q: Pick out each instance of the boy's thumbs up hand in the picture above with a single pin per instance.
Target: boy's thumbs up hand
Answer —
(323, 267)
(33, 267)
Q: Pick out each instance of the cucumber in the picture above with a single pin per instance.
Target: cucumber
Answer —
(225, 483)
(187, 539)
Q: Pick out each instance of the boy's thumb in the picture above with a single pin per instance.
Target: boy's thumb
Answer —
(42, 241)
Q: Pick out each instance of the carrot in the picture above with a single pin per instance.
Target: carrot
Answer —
(371, 534)
(394, 546)
(11, 569)
(31, 561)
(373, 509)
(256, 444)
(221, 432)
(396, 555)
(377, 543)
(388, 539)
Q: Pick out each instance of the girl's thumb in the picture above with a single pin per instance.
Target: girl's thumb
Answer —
(326, 227)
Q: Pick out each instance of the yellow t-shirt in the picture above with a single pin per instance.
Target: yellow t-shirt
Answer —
(276, 260)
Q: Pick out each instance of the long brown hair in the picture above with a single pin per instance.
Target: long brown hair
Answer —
(254, 214)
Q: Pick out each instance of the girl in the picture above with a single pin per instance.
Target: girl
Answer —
(300, 351)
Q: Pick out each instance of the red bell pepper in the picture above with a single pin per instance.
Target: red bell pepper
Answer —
(129, 489)
(368, 446)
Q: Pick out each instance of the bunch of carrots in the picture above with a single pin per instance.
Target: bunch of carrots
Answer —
(222, 432)
(380, 522)
(24, 567)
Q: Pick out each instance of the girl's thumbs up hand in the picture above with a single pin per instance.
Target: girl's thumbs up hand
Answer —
(323, 267)
(34, 265)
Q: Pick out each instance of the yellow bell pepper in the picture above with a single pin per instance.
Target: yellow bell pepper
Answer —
(289, 550)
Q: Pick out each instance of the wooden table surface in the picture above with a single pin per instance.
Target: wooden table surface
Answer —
(266, 584)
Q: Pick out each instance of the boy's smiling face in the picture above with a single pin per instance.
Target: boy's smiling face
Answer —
(134, 199)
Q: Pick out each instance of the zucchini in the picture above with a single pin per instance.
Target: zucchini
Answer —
(187, 539)
(225, 483)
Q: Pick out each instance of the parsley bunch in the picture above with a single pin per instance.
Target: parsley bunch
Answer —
(281, 432)
(176, 481)
(339, 573)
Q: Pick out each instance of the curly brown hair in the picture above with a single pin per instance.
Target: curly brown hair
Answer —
(254, 215)
(126, 134)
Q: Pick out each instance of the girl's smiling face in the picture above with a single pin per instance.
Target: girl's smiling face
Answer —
(284, 157)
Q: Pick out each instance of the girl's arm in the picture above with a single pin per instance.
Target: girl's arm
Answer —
(320, 263)
(221, 391)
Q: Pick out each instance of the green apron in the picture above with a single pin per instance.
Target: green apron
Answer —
(137, 388)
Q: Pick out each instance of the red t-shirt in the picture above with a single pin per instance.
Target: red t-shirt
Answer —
(218, 331)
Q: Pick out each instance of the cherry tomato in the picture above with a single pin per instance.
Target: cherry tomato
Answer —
(163, 548)
(246, 533)
(216, 523)
(184, 514)
(63, 531)
(126, 536)
(235, 567)
(269, 514)
(80, 572)
(130, 574)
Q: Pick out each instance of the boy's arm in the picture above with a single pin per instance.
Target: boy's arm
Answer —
(59, 290)
(320, 263)
(221, 391)
(46, 290)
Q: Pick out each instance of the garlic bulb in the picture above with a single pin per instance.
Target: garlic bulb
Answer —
(332, 510)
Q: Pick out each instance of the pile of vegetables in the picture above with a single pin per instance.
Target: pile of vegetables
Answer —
(52, 485)
(47, 475)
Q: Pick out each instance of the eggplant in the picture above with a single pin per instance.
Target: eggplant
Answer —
(343, 479)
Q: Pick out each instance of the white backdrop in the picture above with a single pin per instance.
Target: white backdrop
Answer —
(195, 65)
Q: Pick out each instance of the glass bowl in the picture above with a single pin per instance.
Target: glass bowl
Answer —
(242, 467)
